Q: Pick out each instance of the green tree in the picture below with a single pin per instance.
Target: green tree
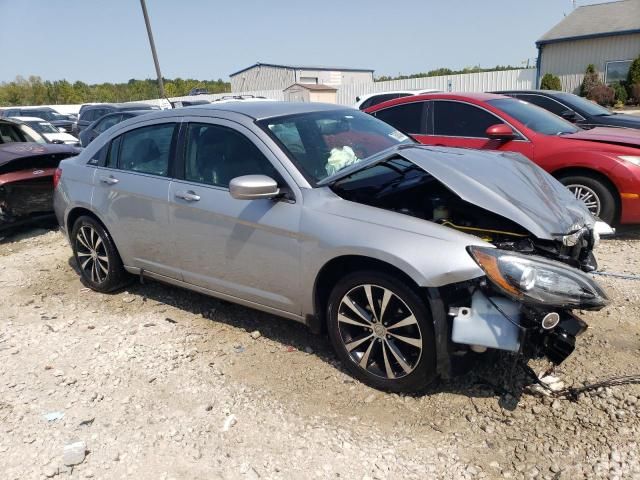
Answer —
(590, 81)
(550, 82)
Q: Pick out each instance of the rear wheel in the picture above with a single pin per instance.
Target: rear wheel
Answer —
(96, 255)
(382, 331)
(594, 193)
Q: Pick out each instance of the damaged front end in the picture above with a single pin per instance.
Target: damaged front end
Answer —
(523, 305)
(539, 242)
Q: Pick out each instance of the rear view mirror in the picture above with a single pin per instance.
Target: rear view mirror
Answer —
(61, 130)
(569, 115)
(500, 131)
(252, 187)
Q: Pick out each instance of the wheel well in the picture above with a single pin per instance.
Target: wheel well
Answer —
(77, 213)
(338, 268)
(587, 172)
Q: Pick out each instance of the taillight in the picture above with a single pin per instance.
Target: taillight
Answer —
(56, 177)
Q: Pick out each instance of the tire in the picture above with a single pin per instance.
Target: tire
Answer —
(390, 362)
(586, 187)
(97, 258)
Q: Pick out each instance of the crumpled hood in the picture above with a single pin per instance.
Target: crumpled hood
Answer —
(507, 184)
(620, 136)
(17, 150)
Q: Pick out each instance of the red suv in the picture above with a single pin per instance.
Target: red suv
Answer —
(600, 166)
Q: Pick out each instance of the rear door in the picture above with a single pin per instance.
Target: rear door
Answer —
(130, 194)
(248, 249)
(453, 123)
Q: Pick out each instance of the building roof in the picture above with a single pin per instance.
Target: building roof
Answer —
(599, 20)
(318, 87)
(301, 67)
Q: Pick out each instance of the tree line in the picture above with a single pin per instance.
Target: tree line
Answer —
(35, 91)
(438, 72)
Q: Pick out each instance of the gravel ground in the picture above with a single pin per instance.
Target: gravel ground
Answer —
(158, 383)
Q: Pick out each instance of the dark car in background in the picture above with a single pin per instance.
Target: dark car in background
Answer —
(45, 113)
(198, 91)
(578, 110)
(104, 123)
(92, 112)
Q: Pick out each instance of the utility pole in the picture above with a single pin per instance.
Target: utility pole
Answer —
(153, 47)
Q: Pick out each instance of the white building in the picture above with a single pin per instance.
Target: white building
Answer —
(268, 76)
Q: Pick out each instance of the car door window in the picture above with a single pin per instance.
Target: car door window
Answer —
(215, 155)
(408, 117)
(106, 123)
(546, 103)
(147, 149)
(457, 119)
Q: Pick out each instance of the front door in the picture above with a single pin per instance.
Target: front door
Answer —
(248, 249)
(459, 124)
(130, 195)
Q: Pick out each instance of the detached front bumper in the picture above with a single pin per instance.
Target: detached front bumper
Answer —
(496, 322)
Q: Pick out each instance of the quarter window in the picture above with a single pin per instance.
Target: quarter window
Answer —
(215, 155)
(456, 119)
(407, 117)
(147, 149)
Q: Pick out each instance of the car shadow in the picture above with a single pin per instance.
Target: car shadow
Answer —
(626, 232)
(27, 231)
(492, 374)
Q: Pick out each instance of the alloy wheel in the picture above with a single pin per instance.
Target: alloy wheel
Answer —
(379, 331)
(587, 196)
(92, 254)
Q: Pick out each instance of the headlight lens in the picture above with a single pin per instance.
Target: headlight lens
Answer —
(537, 280)
(631, 158)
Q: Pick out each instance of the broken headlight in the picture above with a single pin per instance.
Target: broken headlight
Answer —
(537, 280)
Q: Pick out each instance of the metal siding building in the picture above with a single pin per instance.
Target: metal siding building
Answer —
(265, 76)
(606, 35)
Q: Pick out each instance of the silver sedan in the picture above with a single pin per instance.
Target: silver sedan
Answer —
(403, 254)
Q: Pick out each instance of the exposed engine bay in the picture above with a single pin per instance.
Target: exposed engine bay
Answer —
(406, 188)
(488, 312)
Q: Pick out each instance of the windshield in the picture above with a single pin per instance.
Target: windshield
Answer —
(323, 143)
(42, 127)
(533, 117)
(586, 106)
(19, 133)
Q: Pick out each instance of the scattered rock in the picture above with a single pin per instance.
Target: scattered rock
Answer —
(256, 334)
(74, 453)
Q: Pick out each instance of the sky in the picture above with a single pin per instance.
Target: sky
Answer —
(105, 40)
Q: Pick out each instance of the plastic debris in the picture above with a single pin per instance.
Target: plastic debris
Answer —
(53, 416)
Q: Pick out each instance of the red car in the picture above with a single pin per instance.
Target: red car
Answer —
(600, 166)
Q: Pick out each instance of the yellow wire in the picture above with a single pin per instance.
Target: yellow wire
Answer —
(483, 230)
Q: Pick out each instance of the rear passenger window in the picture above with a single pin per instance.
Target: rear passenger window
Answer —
(147, 149)
(407, 118)
(457, 119)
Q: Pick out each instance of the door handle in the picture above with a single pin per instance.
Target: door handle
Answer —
(189, 196)
(110, 180)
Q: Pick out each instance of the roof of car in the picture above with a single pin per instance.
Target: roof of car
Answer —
(261, 110)
(541, 92)
(120, 105)
(29, 119)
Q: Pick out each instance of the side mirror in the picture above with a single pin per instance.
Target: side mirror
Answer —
(569, 115)
(501, 131)
(61, 130)
(252, 187)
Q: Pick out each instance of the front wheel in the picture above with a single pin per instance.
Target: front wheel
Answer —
(596, 196)
(382, 331)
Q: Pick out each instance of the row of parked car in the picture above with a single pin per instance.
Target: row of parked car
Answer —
(408, 255)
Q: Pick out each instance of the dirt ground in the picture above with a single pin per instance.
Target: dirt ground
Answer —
(160, 383)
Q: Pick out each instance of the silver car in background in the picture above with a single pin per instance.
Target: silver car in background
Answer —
(404, 254)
